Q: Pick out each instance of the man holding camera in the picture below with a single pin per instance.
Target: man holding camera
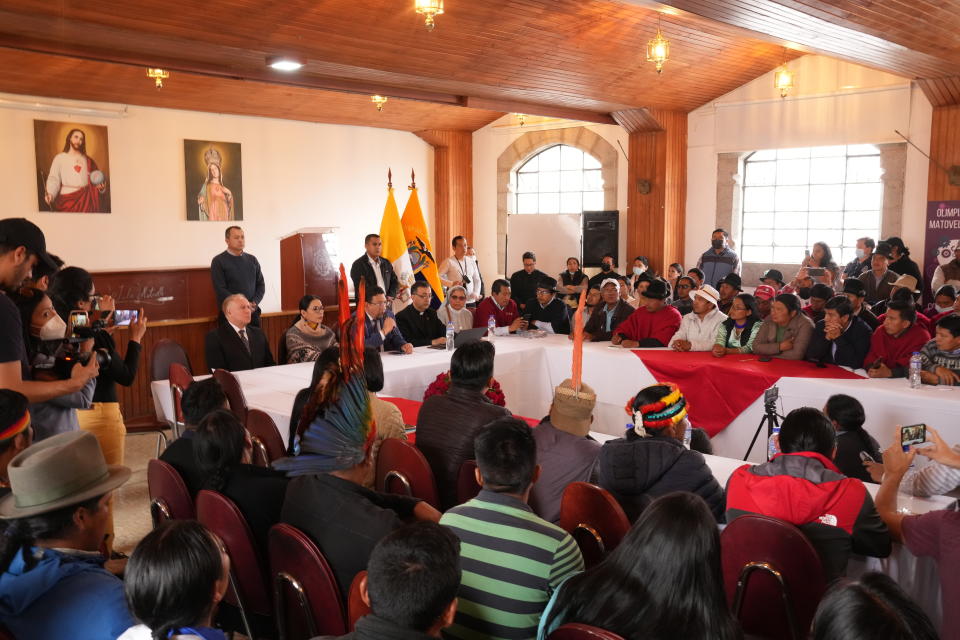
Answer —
(459, 269)
(22, 245)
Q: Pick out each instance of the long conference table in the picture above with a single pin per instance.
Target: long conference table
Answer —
(529, 369)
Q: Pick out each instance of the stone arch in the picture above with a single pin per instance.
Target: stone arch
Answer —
(532, 143)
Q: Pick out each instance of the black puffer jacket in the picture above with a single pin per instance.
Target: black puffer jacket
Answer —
(637, 470)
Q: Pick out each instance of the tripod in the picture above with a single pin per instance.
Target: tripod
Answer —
(771, 419)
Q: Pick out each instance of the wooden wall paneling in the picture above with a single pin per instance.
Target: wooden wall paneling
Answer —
(164, 294)
(453, 186)
(941, 92)
(945, 149)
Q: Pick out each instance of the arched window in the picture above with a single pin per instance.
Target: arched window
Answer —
(559, 179)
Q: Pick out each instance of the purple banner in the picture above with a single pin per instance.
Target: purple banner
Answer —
(943, 236)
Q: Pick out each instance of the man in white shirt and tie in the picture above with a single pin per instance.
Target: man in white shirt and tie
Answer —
(460, 269)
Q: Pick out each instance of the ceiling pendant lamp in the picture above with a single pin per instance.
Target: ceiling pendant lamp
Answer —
(378, 101)
(658, 49)
(429, 9)
(158, 76)
(783, 80)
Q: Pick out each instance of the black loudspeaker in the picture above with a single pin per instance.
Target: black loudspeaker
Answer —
(601, 235)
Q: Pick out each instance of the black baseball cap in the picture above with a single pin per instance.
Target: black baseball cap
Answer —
(20, 232)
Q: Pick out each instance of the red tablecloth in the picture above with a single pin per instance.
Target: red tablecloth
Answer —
(720, 389)
(410, 409)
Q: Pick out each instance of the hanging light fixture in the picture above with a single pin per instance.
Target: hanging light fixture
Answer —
(379, 101)
(522, 118)
(658, 49)
(429, 9)
(158, 76)
(783, 80)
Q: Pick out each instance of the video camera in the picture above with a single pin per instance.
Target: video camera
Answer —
(83, 326)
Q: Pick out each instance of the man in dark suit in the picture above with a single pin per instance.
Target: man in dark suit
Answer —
(380, 327)
(237, 346)
(418, 322)
(607, 317)
(376, 271)
(546, 310)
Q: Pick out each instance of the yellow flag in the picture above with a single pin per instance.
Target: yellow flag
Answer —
(418, 244)
(394, 244)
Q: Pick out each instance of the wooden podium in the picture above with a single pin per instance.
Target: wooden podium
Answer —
(309, 264)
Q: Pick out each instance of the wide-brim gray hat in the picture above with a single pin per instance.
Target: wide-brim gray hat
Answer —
(60, 471)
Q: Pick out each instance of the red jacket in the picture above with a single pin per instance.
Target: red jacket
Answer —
(643, 325)
(488, 307)
(896, 350)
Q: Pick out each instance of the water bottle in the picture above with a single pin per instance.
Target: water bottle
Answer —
(687, 435)
(773, 444)
(451, 332)
(491, 327)
(915, 362)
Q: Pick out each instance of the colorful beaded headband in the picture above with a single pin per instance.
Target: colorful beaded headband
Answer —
(665, 412)
(22, 423)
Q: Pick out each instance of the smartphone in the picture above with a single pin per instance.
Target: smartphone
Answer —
(866, 457)
(123, 317)
(815, 271)
(79, 319)
(913, 434)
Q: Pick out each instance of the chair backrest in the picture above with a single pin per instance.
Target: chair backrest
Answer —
(356, 607)
(235, 397)
(401, 468)
(179, 378)
(467, 485)
(576, 631)
(282, 352)
(5, 635)
(163, 353)
(219, 514)
(305, 593)
(169, 498)
(772, 575)
(594, 518)
(267, 443)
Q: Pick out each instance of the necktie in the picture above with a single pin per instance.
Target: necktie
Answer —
(246, 341)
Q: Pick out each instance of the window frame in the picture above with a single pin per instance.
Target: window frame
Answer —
(596, 167)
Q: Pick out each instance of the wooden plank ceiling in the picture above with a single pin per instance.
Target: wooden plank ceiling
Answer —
(581, 59)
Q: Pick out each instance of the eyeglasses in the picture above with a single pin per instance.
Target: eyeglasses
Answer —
(316, 309)
(543, 292)
(376, 304)
(458, 297)
(426, 296)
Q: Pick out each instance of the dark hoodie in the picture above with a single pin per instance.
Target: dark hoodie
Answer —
(636, 470)
(67, 594)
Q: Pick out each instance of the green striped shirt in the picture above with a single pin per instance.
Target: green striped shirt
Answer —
(512, 560)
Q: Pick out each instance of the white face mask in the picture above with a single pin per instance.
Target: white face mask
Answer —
(861, 254)
(54, 329)
(638, 270)
(943, 309)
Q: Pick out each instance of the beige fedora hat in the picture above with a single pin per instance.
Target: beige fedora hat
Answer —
(709, 294)
(907, 282)
(62, 470)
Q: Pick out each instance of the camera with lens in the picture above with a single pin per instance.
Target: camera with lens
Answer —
(83, 326)
(465, 279)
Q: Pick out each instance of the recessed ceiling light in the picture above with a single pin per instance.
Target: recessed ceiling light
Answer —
(284, 63)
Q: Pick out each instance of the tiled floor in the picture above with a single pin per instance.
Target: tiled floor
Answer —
(131, 504)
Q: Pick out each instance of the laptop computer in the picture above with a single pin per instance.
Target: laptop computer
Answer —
(464, 337)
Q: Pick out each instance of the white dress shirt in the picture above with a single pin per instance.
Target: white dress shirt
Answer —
(700, 332)
(453, 270)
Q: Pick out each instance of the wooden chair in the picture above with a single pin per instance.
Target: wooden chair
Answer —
(169, 498)
(401, 468)
(467, 485)
(772, 575)
(306, 597)
(164, 353)
(179, 378)
(249, 586)
(282, 352)
(595, 520)
(233, 391)
(356, 607)
(576, 631)
(267, 443)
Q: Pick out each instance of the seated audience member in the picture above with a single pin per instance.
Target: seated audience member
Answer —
(175, 580)
(642, 282)
(847, 417)
(650, 460)
(511, 559)
(948, 273)
(787, 332)
(697, 276)
(572, 281)
(200, 399)
(609, 315)
(411, 585)
(322, 368)
(728, 289)
(53, 583)
(802, 486)
(954, 312)
(737, 333)
(326, 498)
(861, 263)
(904, 288)
(819, 294)
(932, 535)
(773, 278)
(941, 356)
(840, 338)
(854, 290)
(224, 456)
(523, 282)
(698, 330)
(664, 579)
(565, 450)
(894, 342)
(943, 302)
(546, 311)
(43, 331)
(380, 326)
(764, 296)
(653, 324)
(878, 281)
(503, 309)
(454, 309)
(16, 434)
(237, 345)
(308, 337)
(674, 273)
(900, 259)
(801, 285)
(419, 323)
(447, 423)
(874, 606)
(608, 265)
(641, 264)
(682, 301)
(590, 306)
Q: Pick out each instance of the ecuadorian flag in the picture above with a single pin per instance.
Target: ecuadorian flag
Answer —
(419, 247)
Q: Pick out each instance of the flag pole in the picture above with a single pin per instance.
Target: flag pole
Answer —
(389, 178)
